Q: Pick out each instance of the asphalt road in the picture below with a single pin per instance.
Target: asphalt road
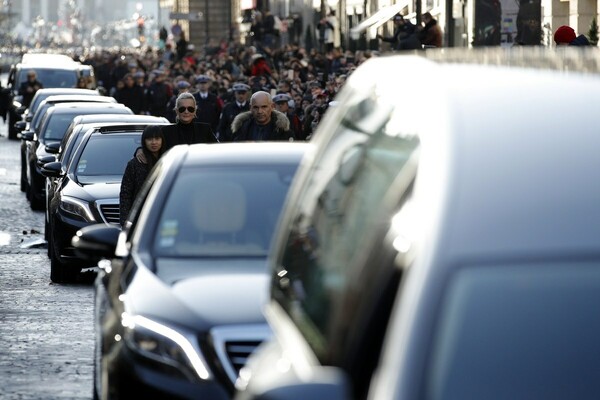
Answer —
(46, 329)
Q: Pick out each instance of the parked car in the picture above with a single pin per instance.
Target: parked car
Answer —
(43, 94)
(73, 137)
(32, 126)
(88, 191)
(52, 72)
(53, 127)
(442, 244)
(188, 278)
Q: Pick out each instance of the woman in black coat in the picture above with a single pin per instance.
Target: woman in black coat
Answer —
(186, 130)
(153, 146)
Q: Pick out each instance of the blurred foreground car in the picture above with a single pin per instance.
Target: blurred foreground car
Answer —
(179, 310)
(449, 251)
(88, 192)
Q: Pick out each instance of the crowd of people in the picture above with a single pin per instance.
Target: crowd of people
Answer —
(222, 81)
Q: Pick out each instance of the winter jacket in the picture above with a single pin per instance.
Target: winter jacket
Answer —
(133, 179)
(244, 127)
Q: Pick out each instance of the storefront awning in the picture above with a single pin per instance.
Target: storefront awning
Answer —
(378, 19)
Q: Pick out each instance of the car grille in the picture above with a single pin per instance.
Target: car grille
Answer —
(234, 344)
(109, 210)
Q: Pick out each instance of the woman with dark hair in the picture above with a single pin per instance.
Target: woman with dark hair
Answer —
(153, 146)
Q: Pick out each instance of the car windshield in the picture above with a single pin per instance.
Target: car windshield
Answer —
(38, 116)
(521, 331)
(106, 155)
(57, 126)
(222, 212)
(52, 78)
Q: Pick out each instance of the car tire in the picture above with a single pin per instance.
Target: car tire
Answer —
(12, 131)
(59, 272)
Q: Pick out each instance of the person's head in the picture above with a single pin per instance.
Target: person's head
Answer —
(427, 17)
(282, 102)
(183, 86)
(203, 83)
(31, 75)
(261, 106)
(128, 80)
(153, 143)
(185, 108)
(398, 19)
(564, 35)
(241, 91)
(81, 82)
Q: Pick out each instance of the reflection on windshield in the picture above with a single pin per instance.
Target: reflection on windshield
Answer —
(223, 212)
(106, 155)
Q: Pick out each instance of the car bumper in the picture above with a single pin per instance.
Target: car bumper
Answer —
(64, 228)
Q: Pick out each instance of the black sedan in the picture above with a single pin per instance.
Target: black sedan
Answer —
(53, 126)
(178, 310)
(88, 192)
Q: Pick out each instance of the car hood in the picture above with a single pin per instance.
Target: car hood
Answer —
(91, 192)
(226, 292)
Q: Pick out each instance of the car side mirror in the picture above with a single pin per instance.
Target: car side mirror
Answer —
(45, 160)
(53, 147)
(20, 125)
(52, 169)
(27, 135)
(326, 383)
(96, 242)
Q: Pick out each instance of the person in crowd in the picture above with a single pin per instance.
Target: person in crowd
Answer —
(232, 110)
(282, 104)
(181, 86)
(158, 94)
(181, 46)
(431, 34)
(81, 83)
(29, 87)
(405, 35)
(131, 95)
(262, 122)
(329, 32)
(187, 130)
(566, 36)
(136, 172)
(208, 105)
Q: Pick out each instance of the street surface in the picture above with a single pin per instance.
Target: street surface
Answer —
(46, 329)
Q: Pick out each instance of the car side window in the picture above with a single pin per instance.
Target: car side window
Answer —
(337, 215)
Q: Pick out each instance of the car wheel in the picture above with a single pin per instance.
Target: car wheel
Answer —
(35, 202)
(12, 131)
(59, 272)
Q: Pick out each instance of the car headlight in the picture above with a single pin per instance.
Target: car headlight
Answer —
(165, 345)
(77, 208)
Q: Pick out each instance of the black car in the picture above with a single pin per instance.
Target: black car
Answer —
(443, 252)
(75, 133)
(53, 127)
(88, 192)
(53, 71)
(179, 309)
(43, 94)
(33, 118)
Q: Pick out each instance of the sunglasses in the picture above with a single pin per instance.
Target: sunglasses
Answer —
(189, 109)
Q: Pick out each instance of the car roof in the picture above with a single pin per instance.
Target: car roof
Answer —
(241, 153)
(79, 97)
(57, 91)
(68, 107)
(118, 118)
(509, 161)
(29, 58)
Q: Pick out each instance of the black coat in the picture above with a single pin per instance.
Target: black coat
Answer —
(133, 178)
(195, 132)
(244, 127)
(208, 110)
(230, 111)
